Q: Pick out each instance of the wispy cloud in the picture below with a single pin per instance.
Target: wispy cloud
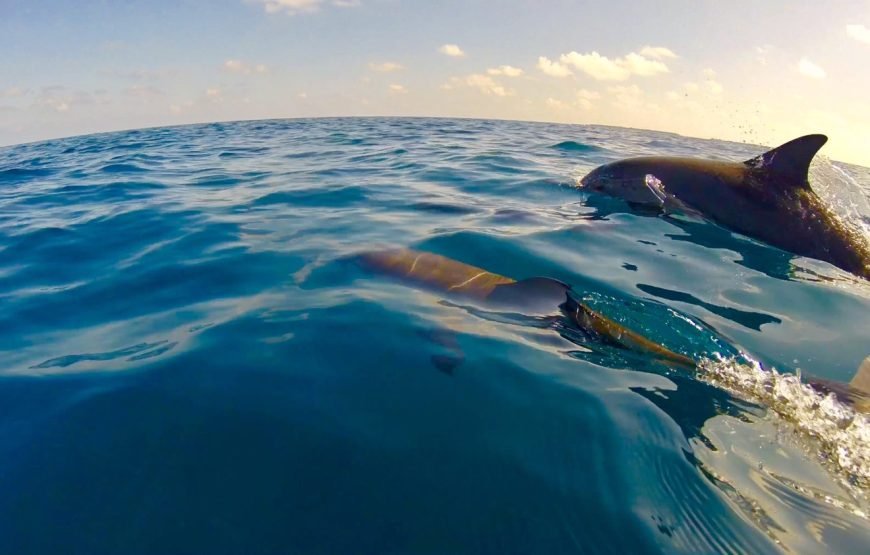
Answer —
(585, 98)
(507, 71)
(452, 50)
(142, 91)
(626, 97)
(385, 67)
(62, 99)
(142, 74)
(553, 69)
(214, 95)
(603, 68)
(13, 92)
(761, 53)
(293, 7)
(657, 52)
(238, 66)
(398, 89)
(858, 32)
(809, 69)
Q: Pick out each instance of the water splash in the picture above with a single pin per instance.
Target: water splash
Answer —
(842, 434)
(840, 185)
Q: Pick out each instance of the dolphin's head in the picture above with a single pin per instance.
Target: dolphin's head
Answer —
(631, 180)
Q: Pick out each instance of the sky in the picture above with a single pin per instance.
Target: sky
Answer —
(759, 71)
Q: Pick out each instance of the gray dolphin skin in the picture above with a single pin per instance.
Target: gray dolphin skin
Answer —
(767, 198)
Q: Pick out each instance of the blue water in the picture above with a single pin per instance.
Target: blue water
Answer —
(190, 362)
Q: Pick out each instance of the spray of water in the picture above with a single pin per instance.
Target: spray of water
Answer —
(841, 435)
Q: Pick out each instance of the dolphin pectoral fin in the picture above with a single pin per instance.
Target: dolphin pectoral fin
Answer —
(667, 203)
(453, 358)
(790, 162)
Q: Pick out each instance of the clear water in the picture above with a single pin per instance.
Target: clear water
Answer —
(190, 364)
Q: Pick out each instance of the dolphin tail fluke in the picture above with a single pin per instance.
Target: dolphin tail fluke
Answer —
(790, 162)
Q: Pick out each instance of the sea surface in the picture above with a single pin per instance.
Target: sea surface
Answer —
(191, 361)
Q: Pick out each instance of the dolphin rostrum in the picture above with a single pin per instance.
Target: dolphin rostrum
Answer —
(767, 198)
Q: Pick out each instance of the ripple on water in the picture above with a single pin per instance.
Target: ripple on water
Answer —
(180, 306)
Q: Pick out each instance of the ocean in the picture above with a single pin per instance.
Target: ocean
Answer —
(191, 362)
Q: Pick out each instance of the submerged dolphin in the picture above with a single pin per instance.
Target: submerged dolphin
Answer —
(547, 296)
(767, 197)
(532, 296)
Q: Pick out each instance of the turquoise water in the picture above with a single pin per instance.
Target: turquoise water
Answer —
(190, 362)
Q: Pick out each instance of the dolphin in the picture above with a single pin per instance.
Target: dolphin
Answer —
(538, 296)
(542, 296)
(767, 198)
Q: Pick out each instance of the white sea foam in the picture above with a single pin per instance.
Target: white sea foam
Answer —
(841, 434)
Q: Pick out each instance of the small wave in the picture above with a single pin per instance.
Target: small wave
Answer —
(23, 174)
(135, 351)
(574, 146)
(338, 196)
(843, 434)
(122, 168)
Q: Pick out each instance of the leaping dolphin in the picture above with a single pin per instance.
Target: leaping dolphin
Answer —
(767, 198)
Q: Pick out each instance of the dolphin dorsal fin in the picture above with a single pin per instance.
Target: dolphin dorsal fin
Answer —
(861, 380)
(789, 163)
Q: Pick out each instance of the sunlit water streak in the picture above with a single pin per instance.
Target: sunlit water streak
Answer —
(190, 364)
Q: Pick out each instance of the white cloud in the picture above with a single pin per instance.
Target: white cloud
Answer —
(715, 87)
(507, 71)
(290, 7)
(385, 67)
(553, 69)
(347, 3)
(398, 89)
(603, 68)
(809, 69)
(302, 95)
(657, 52)
(858, 32)
(487, 85)
(238, 66)
(452, 50)
(483, 83)
(708, 73)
